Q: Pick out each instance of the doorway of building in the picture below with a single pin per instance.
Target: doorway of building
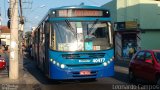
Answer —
(129, 44)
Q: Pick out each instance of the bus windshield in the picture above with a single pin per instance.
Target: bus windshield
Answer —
(81, 36)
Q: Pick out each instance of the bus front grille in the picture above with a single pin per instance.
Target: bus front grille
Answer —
(83, 65)
(83, 55)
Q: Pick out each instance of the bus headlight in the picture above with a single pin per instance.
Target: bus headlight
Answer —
(108, 62)
(51, 60)
(111, 59)
(105, 64)
(54, 62)
(58, 64)
(62, 66)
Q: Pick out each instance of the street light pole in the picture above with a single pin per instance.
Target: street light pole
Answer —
(13, 62)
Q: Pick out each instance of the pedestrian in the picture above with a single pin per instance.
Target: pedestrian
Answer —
(131, 52)
(139, 48)
(30, 50)
(3, 48)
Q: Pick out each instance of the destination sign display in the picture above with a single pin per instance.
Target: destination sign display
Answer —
(80, 13)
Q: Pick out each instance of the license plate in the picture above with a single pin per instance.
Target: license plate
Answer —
(85, 73)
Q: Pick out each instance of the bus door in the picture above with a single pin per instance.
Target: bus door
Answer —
(47, 32)
(37, 48)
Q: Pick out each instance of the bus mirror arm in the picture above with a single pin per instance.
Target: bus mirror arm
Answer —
(110, 34)
(46, 21)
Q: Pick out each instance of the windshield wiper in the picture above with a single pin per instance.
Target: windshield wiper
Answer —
(95, 22)
(71, 28)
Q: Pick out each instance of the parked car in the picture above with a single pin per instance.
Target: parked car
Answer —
(2, 63)
(145, 64)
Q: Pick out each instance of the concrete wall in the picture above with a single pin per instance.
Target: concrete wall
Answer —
(131, 13)
(112, 7)
(6, 39)
(145, 12)
(149, 14)
(150, 40)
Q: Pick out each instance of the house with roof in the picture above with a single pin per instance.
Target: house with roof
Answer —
(4, 35)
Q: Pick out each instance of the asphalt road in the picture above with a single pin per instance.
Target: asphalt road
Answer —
(33, 79)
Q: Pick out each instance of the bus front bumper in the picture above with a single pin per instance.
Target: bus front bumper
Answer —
(81, 73)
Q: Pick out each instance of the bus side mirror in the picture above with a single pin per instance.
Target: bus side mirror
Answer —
(110, 34)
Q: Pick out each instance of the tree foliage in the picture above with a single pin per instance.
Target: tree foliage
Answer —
(28, 34)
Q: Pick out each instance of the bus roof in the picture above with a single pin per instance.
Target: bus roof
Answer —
(71, 7)
(79, 7)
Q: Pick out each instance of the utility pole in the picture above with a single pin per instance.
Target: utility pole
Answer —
(20, 32)
(13, 62)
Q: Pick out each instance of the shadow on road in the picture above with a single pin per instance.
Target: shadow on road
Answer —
(121, 77)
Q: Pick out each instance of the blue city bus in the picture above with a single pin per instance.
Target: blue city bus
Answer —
(74, 42)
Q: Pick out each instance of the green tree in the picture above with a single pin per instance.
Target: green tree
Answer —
(28, 38)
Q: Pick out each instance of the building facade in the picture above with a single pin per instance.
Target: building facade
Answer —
(4, 35)
(145, 12)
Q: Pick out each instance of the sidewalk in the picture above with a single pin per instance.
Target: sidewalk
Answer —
(25, 82)
(122, 63)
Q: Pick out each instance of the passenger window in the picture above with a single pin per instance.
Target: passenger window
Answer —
(148, 56)
(140, 56)
(157, 55)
